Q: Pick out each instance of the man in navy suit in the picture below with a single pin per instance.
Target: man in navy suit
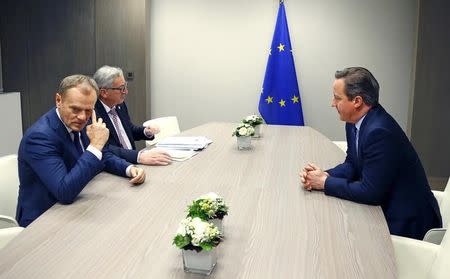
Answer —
(112, 108)
(381, 168)
(59, 155)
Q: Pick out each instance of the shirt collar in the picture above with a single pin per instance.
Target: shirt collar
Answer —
(106, 107)
(59, 116)
(358, 124)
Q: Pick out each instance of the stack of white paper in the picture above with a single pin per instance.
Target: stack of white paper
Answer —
(184, 143)
(179, 155)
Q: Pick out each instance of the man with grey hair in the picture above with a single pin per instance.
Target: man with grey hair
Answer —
(112, 108)
(59, 155)
(381, 168)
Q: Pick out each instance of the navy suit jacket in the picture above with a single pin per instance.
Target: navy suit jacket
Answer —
(133, 132)
(51, 170)
(387, 172)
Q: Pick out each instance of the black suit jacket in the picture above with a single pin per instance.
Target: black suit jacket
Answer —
(133, 132)
(386, 171)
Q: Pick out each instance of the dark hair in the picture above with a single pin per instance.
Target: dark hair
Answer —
(360, 82)
(74, 81)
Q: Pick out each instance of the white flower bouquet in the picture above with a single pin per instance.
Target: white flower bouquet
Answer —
(196, 234)
(253, 120)
(207, 207)
(244, 130)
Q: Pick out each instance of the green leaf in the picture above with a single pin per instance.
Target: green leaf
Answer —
(181, 241)
(206, 246)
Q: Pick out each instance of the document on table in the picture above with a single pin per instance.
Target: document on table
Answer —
(179, 155)
(184, 143)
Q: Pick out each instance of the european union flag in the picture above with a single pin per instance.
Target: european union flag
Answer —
(280, 99)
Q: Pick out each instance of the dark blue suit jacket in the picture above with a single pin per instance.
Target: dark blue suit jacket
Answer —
(387, 172)
(133, 132)
(51, 170)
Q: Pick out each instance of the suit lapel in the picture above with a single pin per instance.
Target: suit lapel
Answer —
(362, 133)
(58, 126)
(123, 118)
(104, 115)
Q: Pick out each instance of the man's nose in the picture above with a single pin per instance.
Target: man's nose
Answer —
(82, 116)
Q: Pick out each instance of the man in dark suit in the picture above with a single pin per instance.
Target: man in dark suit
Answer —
(381, 168)
(112, 108)
(59, 155)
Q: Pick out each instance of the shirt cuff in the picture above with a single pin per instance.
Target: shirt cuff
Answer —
(95, 151)
(138, 159)
(128, 170)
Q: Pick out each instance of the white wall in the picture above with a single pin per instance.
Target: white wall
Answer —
(11, 115)
(207, 58)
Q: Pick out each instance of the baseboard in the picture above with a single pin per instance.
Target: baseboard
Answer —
(437, 183)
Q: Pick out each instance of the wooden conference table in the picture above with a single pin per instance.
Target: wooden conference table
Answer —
(274, 229)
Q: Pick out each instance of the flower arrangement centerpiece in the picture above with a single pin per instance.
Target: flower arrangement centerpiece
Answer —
(209, 207)
(255, 121)
(197, 239)
(243, 133)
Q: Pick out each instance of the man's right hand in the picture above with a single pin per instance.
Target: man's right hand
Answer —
(154, 157)
(97, 132)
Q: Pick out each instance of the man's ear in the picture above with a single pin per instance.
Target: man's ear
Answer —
(358, 101)
(58, 100)
(102, 93)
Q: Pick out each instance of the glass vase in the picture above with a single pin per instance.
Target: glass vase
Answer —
(202, 262)
(218, 223)
(244, 143)
(257, 131)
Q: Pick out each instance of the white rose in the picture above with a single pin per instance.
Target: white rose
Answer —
(243, 131)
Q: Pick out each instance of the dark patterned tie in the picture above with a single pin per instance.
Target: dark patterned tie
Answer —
(356, 140)
(76, 142)
(115, 119)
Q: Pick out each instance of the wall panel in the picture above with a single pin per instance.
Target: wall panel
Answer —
(120, 41)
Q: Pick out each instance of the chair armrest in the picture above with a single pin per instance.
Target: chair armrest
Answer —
(7, 222)
(6, 235)
(435, 236)
(439, 195)
(414, 257)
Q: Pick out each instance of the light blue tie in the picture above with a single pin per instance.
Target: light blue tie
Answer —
(356, 139)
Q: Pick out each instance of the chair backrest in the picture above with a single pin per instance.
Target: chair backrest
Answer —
(342, 145)
(439, 269)
(444, 206)
(6, 235)
(168, 127)
(9, 185)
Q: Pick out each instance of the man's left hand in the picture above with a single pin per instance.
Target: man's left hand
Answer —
(137, 175)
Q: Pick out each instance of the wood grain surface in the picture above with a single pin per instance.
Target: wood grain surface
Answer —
(274, 229)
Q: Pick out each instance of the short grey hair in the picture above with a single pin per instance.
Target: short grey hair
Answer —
(106, 75)
(74, 81)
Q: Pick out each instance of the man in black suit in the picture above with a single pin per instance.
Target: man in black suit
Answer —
(382, 168)
(111, 107)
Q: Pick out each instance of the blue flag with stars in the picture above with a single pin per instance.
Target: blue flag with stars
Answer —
(280, 103)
